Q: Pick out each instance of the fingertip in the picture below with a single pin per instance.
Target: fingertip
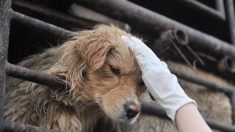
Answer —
(136, 40)
(124, 37)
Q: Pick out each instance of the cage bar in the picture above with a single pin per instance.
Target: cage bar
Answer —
(211, 85)
(193, 4)
(156, 110)
(230, 16)
(134, 14)
(220, 7)
(34, 76)
(40, 25)
(53, 14)
(4, 39)
(220, 126)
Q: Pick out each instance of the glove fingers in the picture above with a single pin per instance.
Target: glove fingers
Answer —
(128, 41)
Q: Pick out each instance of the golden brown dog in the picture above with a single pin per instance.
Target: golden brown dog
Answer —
(104, 84)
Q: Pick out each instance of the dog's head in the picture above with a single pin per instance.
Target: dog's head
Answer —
(99, 67)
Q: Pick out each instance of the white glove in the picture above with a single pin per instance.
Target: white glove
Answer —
(158, 79)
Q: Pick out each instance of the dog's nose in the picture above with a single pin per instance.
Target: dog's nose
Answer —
(132, 109)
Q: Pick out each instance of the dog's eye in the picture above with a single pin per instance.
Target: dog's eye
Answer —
(141, 87)
(115, 71)
(141, 83)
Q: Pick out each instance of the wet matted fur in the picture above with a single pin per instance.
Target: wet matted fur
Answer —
(101, 74)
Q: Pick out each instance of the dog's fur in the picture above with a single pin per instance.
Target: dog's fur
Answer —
(101, 74)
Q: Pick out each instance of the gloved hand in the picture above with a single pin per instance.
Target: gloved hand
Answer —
(158, 79)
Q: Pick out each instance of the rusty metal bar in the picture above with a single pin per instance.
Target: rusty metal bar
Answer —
(193, 4)
(15, 127)
(34, 76)
(140, 17)
(5, 6)
(40, 25)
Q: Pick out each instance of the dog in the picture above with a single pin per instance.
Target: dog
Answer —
(103, 80)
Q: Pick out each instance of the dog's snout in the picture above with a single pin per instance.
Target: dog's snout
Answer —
(132, 109)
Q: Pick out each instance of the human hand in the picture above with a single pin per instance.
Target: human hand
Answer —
(157, 77)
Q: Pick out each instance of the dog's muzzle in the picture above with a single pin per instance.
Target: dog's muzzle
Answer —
(132, 109)
(130, 112)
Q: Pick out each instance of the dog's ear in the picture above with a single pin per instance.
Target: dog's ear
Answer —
(94, 51)
(76, 56)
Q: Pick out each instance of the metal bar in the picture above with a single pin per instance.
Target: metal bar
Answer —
(34, 76)
(15, 127)
(140, 17)
(195, 55)
(5, 6)
(220, 126)
(193, 4)
(40, 25)
(153, 109)
(89, 14)
(53, 14)
(203, 81)
(220, 7)
(181, 53)
(230, 15)
(85, 17)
